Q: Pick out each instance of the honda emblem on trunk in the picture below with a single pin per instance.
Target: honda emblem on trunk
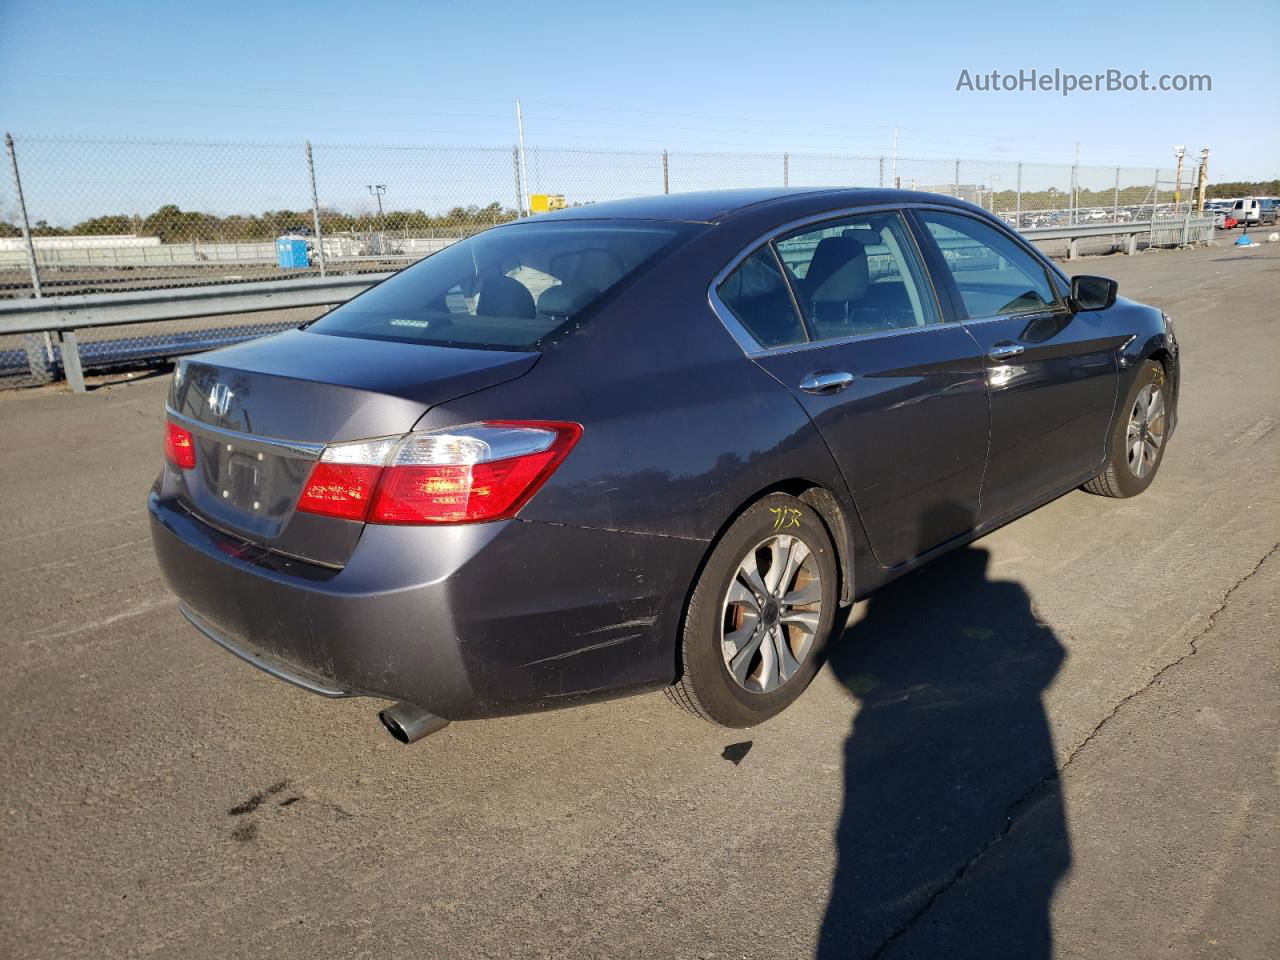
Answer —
(220, 399)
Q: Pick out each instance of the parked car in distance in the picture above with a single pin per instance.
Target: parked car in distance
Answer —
(1255, 210)
(653, 443)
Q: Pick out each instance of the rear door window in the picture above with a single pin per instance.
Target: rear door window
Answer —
(507, 288)
(994, 275)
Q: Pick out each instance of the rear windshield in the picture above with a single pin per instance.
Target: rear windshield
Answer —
(507, 288)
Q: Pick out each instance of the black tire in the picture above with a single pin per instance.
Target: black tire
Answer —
(1119, 479)
(706, 687)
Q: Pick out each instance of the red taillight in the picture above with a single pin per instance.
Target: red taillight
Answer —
(486, 471)
(461, 494)
(339, 490)
(179, 446)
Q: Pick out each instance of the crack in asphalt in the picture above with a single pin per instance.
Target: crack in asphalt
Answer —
(1025, 801)
(1193, 645)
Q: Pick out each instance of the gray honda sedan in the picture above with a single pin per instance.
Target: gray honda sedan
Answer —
(656, 443)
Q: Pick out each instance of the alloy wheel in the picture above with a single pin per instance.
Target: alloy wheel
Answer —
(771, 613)
(1145, 434)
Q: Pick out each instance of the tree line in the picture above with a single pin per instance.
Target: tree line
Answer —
(1004, 201)
(174, 225)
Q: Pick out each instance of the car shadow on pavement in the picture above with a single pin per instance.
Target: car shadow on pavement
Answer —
(950, 742)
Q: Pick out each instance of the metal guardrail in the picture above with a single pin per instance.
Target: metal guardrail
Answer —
(35, 315)
(1172, 231)
(64, 316)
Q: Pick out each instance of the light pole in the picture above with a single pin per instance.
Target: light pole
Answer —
(378, 189)
(1203, 178)
(1179, 152)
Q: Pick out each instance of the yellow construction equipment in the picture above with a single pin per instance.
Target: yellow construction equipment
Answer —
(546, 202)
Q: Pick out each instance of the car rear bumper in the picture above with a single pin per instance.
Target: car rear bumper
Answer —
(465, 621)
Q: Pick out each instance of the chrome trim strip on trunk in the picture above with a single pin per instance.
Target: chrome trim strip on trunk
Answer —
(290, 448)
(262, 663)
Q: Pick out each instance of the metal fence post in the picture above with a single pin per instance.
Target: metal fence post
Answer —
(786, 169)
(1075, 173)
(515, 163)
(36, 347)
(1115, 211)
(1155, 193)
(957, 179)
(315, 208)
(1018, 200)
(666, 173)
(882, 170)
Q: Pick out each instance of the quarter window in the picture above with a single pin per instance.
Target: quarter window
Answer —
(994, 274)
(757, 294)
(858, 275)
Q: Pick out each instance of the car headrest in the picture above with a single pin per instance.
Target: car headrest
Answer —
(838, 270)
(593, 268)
(502, 296)
(565, 299)
(834, 259)
(868, 238)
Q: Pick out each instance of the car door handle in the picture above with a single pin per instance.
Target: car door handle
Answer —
(826, 381)
(1003, 351)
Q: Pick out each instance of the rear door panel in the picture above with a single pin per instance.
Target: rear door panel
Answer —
(909, 433)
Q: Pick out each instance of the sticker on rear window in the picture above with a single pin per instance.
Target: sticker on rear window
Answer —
(397, 322)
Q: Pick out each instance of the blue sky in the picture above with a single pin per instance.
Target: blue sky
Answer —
(742, 76)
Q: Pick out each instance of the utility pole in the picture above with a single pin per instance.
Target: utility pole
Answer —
(378, 189)
(1179, 152)
(1018, 214)
(1075, 185)
(1203, 179)
(897, 184)
(524, 166)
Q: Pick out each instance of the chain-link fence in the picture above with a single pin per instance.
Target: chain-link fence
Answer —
(106, 215)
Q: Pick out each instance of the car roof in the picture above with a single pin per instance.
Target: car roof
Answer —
(713, 206)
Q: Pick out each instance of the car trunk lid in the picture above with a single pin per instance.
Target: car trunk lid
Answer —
(262, 412)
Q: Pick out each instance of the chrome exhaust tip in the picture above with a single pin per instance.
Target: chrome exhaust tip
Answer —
(408, 723)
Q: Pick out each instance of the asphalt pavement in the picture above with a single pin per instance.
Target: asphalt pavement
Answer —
(1058, 742)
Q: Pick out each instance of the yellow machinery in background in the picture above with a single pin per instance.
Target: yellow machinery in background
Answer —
(546, 202)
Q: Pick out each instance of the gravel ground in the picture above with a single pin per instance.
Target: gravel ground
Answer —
(1057, 742)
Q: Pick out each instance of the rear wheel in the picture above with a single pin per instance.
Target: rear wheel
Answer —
(759, 615)
(1138, 439)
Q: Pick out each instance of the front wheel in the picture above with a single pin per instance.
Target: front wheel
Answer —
(759, 615)
(1138, 439)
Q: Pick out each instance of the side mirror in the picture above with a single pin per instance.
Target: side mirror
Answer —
(1092, 293)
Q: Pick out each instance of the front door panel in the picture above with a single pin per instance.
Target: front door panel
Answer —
(1051, 404)
(1051, 374)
